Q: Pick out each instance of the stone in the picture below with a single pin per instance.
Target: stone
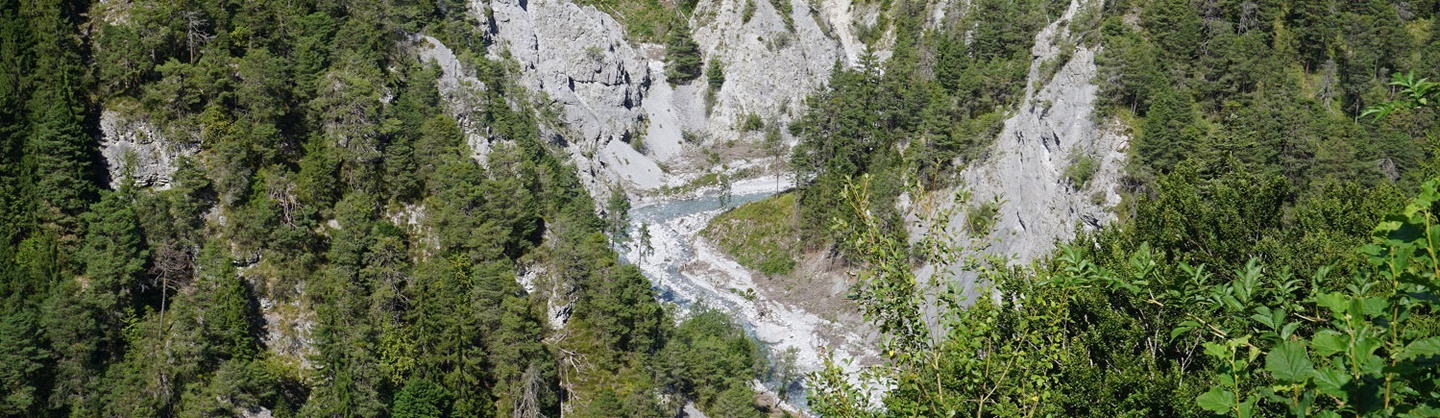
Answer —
(136, 148)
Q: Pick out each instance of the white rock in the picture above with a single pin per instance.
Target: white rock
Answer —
(577, 59)
(135, 147)
(769, 69)
(1026, 166)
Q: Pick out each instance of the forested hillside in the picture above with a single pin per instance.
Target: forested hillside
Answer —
(1265, 263)
(332, 232)
(330, 248)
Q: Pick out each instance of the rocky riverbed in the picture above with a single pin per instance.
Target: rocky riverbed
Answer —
(689, 271)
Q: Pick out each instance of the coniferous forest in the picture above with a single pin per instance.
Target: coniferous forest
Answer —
(1277, 251)
(312, 126)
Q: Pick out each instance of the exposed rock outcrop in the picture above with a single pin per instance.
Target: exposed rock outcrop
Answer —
(577, 59)
(770, 66)
(137, 148)
(1053, 128)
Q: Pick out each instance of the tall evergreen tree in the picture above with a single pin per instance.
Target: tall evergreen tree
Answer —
(58, 147)
(682, 55)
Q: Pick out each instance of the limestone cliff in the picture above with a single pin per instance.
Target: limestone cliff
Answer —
(136, 148)
(1053, 129)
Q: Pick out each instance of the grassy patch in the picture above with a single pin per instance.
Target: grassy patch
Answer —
(759, 235)
(644, 20)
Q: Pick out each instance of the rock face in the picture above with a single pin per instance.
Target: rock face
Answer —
(462, 93)
(770, 67)
(1053, 127)
(135, 147)
(617, 117)
(577, 59)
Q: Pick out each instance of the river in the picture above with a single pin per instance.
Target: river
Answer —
(686, 270)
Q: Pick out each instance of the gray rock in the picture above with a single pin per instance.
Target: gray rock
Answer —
(136, 148)
(1053, 126)
(576, 60)
(769, 69)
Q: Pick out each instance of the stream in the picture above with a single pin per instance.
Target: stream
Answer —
(687, 273)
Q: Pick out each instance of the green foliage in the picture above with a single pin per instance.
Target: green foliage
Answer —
(617, 215)
(228, 316)
(935, 105)
(1414, 93)
(623, 310)
(707, 357)
(715, 74)
(737, 402)
(1175, 27)
(752, 123)
(980, 218)
(759, 235)
(114, 255)
(1370, 355)
(1170, 131)
(328, 182)
(682, 56)
(422, 399)
(1113, 327)
(1081, 169)
(748, 11)
(21, 362)
(1275, 86)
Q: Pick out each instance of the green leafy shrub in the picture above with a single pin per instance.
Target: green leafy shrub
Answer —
(752, 123)
(1268, 342)
(1081, 169)
(691, 137)
(980, 218)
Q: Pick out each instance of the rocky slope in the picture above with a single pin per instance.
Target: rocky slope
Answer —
(1053, 129)
(576, 60)
(770, 65)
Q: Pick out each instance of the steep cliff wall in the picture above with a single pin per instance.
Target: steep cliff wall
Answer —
(1050, 137)
(770, 65)
(137, 148)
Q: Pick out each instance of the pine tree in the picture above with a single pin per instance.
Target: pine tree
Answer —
(1170, 133)
(57, 149)
(1175, 26)
(228, 314)
(682, 55)
(114, 255)
(21, 365)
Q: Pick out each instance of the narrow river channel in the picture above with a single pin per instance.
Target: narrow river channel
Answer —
(686, 271)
